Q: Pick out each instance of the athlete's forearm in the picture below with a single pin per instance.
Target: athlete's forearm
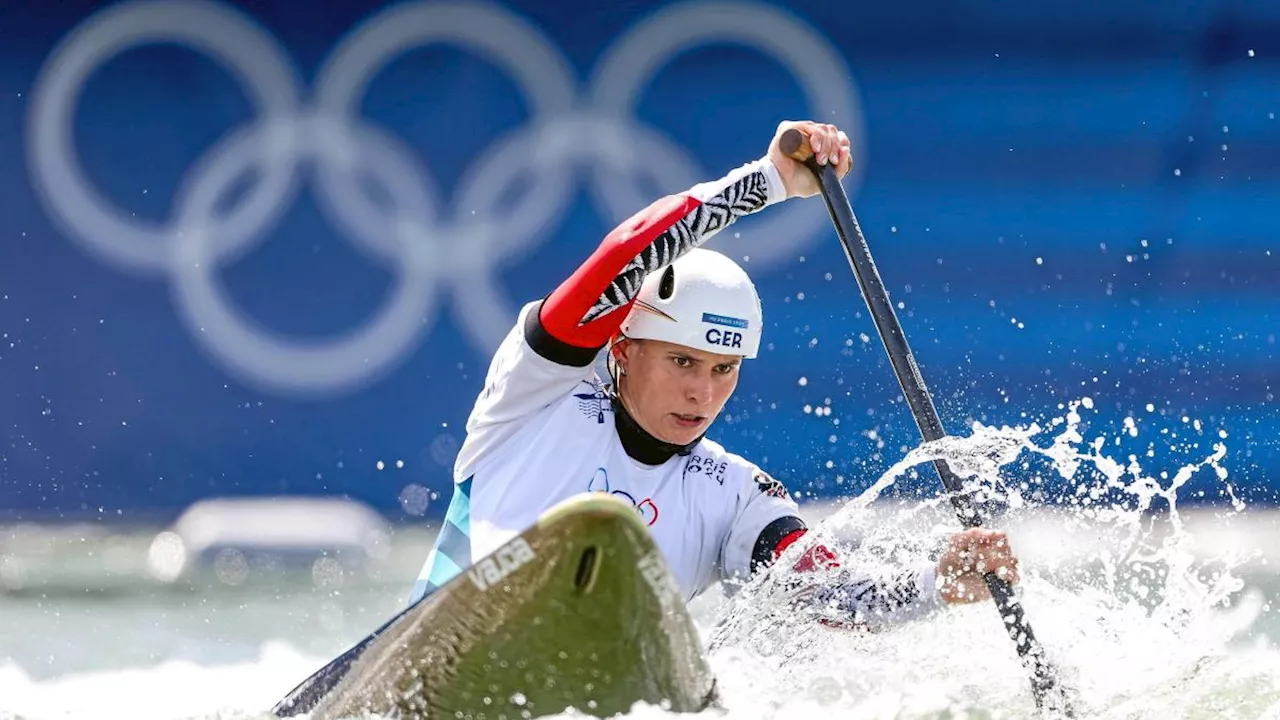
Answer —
(846, 598)
(589, 307)
(843, 597)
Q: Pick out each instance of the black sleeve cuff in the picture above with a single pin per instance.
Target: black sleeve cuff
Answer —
(762, 554)
(553, 348)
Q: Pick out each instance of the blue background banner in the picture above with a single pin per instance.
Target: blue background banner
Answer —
(261, 247)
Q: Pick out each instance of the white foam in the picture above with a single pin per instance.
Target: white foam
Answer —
(165, 691)
(1124, 596)
(1131, 644)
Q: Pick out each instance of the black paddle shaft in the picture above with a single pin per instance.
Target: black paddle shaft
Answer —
(794, 144)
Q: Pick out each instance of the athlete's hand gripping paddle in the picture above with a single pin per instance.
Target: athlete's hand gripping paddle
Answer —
(1044, 677)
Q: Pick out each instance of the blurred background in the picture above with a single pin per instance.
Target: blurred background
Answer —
(256, 255)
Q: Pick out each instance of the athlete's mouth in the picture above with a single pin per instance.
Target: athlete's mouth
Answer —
(688, 419)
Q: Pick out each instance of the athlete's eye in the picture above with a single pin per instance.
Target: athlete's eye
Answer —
(725, 369)
(683, 361)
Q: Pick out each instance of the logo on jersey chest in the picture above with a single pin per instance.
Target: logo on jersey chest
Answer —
(699, 465)
(647, 509)
(766, 484)
(594, 404)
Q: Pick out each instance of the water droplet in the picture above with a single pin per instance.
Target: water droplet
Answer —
(415, 499)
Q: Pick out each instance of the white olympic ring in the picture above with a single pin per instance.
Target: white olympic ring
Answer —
(423, 246)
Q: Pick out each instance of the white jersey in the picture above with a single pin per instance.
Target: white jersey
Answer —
(542, 432)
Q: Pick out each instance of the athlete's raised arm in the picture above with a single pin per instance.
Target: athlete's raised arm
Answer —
(553, 344)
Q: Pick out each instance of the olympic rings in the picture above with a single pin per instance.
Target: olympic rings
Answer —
(427, 248)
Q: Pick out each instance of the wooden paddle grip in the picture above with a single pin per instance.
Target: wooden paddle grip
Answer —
(795, 145)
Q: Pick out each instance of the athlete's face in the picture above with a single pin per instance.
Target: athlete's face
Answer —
(673, 391)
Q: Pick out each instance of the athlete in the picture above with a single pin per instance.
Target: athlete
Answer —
(676, 322)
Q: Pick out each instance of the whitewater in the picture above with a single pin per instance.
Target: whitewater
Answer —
(1148, 609)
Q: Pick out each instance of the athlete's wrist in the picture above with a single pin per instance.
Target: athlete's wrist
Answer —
(930, 589)
(777, 187)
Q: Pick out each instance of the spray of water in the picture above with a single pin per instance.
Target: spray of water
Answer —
(1143, 619)
(1137, 617)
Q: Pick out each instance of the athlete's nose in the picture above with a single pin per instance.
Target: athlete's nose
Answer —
(699, 389)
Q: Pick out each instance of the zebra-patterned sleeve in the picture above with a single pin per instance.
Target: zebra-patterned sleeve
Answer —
(719, 204)
(580, 316)
(848, 598)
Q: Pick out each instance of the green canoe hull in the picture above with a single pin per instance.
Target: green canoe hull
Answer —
(580, 611)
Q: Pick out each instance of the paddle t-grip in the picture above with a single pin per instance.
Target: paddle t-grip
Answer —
(795, 145)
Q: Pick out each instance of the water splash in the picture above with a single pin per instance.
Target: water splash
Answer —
(1140, 610)
(1126, 603)
(169, 690)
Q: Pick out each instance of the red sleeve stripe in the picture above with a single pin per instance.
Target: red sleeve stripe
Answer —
(569, 303)
(787, 542)
(586, 310)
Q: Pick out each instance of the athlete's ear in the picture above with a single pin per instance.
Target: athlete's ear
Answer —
(618, 352)
(621, 349)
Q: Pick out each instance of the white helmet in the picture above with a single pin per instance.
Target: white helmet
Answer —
(703, 300)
